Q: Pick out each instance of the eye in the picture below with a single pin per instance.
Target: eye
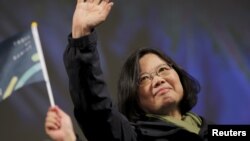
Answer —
(144, 78)
(164, 69)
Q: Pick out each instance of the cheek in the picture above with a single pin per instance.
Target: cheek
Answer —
(178, 86)
(144, 94)
(174, 80)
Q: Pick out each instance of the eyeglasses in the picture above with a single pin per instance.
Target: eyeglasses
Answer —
(162, 71)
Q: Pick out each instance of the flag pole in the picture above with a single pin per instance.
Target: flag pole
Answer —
(42, 60)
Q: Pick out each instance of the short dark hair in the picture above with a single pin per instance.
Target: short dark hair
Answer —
(128, 85)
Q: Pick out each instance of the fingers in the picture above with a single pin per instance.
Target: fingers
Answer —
(90, 1)
(52, 120)
(61, 113)
(106, 1)
(106, 5)
(95, 1)
(79, 1)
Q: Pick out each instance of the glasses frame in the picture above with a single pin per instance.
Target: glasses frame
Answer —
(154, 73)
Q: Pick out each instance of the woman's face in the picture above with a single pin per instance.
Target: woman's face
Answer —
(158, 94)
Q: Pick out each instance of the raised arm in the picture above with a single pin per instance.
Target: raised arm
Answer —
(94, 109)
(88, 14)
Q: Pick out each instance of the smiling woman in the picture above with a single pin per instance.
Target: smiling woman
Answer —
(163, 95)
(173, 92)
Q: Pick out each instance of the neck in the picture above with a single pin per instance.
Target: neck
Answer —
(175, 114)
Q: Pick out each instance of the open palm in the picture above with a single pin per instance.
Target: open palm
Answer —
(88, 14)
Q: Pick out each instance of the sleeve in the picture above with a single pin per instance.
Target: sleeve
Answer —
(93, 108)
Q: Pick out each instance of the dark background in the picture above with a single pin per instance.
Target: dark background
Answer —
(209, 38)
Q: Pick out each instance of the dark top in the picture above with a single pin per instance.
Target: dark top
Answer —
(94, 110)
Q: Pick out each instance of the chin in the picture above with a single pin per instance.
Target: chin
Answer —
(167, 103)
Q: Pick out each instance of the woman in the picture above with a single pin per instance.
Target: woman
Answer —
(155, 94)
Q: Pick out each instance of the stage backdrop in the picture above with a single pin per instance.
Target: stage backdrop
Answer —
(210, 39)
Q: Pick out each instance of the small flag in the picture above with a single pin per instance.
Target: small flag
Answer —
(22, 63)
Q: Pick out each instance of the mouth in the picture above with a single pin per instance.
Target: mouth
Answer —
(162, 91)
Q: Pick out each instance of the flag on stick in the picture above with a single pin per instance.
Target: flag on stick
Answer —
(22, 63)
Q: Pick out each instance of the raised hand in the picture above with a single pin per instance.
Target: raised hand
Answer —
(88, 14)
(58, 125)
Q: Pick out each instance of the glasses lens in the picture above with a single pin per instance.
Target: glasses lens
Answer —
(144, 79)
(163, 70)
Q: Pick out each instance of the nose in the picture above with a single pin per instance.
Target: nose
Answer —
(157, 81)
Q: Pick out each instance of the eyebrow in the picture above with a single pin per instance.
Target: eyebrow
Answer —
(153, 69)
